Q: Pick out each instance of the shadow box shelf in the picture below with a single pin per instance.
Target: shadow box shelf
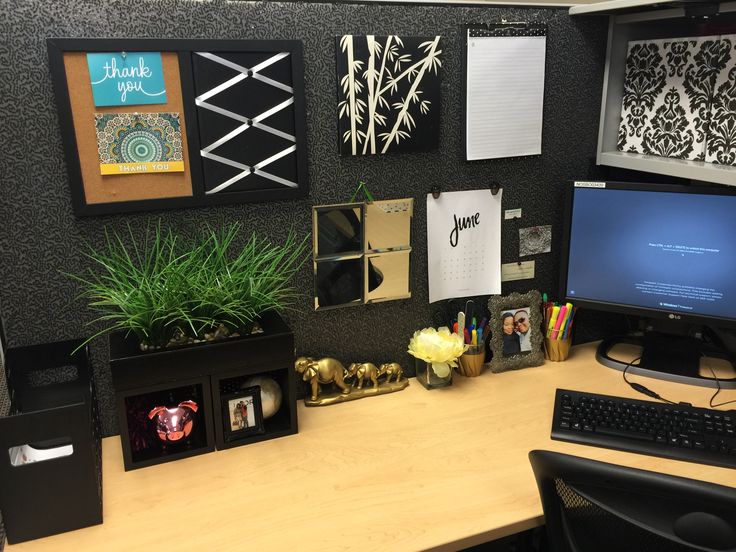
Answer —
(193, 381)
(50, 445)
(649, 20)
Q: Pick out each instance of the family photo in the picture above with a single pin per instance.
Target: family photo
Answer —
(516, 332)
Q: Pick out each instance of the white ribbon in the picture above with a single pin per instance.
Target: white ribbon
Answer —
(244, 73)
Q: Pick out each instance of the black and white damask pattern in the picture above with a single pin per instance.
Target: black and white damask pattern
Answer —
(660, 115)
(721, 141)
(678, 97)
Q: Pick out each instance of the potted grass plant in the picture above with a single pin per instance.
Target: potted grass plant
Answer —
(190, 321)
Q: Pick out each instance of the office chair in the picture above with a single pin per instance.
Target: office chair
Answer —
(599, 507)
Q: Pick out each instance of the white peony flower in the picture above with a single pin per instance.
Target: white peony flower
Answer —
(440, 347)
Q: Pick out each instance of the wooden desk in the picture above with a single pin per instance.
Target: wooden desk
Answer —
(414, 470)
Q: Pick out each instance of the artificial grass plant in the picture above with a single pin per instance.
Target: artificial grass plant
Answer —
(169, 291)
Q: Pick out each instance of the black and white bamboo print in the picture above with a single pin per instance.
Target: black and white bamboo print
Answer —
(388, 93)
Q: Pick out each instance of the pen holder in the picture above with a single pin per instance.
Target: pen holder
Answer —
(557, 350)
(470, 363)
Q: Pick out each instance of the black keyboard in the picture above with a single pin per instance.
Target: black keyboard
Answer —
(678, 431)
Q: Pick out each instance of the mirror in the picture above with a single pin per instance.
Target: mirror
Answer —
(361, 252)
(339, 230)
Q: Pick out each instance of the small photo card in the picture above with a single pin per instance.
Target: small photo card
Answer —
(133, 143)
(126, 78)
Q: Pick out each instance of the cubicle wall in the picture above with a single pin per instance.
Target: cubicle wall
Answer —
(40, 237)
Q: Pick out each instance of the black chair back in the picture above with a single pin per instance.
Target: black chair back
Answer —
(592, 506)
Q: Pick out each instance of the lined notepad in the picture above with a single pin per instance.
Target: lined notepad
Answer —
(504, 92)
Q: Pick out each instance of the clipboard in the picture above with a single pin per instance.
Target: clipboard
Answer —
(503, 120)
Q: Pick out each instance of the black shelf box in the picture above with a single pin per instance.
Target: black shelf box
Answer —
(50, 446)
(144, 379)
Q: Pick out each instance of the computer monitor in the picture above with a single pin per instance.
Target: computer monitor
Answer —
(666, 253)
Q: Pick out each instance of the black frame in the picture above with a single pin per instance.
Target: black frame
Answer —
(235, 435)
(184, 48)
(133, 460)
(622, 308)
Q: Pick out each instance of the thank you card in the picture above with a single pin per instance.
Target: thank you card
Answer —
(126, 78)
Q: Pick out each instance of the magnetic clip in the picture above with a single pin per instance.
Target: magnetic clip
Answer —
(123, 54)
(436, 192)
(495, 187)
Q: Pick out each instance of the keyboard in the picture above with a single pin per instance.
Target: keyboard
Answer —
(680, 431)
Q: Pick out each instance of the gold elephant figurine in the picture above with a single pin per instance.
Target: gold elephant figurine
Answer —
(321, 372)
(390, 369)
(363, 371)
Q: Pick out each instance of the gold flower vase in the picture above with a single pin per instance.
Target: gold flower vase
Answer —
(429, 378)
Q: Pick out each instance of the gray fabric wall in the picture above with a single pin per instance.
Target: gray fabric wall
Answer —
(40, 236)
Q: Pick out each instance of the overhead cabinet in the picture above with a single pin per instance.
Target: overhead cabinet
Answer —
(673, 103)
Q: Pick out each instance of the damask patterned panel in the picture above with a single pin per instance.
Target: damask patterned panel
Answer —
(721, 144)
(667, 91)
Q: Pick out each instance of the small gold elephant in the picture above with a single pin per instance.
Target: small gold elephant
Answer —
(362, 371)
(391, 369)
(323, 371)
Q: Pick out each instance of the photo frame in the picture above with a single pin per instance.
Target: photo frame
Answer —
(521, 347)
(225, 122)
(242, 414)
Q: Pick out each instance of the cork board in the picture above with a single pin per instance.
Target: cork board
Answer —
(128, 187)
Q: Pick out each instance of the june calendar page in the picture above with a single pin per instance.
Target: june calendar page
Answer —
(464, 244)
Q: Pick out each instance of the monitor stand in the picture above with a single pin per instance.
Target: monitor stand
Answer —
(666, 357)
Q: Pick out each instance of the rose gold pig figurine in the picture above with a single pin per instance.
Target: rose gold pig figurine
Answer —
(176, 423)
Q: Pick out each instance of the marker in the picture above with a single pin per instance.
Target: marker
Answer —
(475, 338)
(461, 323)
(553, 320)
(565, 320)
(560, 317)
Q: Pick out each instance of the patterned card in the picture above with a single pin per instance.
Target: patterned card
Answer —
(667, 91)
(131, 143)
(721, 144)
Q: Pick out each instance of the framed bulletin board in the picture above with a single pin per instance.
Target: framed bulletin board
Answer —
(155, 124)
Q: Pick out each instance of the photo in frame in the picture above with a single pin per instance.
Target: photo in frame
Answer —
(516, 331)
(242, 414)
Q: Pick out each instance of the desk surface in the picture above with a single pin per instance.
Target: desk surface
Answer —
(412, 470)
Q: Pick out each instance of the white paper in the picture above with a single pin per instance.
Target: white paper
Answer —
(517, 271)
(505, 96)
(464, 244)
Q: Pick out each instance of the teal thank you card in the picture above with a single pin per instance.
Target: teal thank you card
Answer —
(132, 78)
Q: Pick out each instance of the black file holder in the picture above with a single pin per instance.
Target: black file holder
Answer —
(53, 407)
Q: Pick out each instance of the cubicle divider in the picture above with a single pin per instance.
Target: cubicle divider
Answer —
(41, 236)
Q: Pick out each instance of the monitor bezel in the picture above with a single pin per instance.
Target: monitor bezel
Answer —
(622, 308)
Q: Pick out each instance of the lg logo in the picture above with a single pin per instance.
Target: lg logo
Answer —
(674, 317)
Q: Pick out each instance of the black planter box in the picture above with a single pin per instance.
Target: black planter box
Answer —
(54, 415)
(143, 379)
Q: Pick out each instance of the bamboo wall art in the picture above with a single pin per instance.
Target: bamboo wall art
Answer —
(388, 93)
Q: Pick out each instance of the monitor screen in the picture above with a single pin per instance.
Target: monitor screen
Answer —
(651, 250)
